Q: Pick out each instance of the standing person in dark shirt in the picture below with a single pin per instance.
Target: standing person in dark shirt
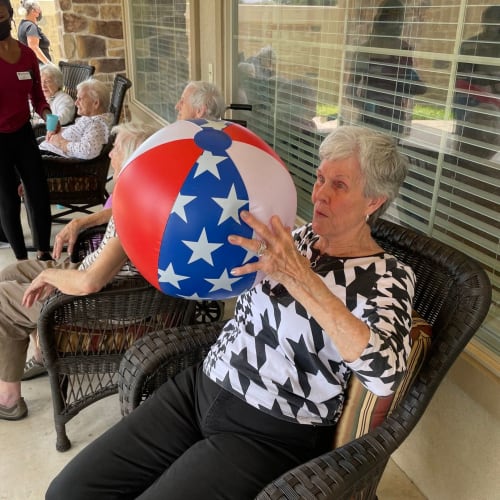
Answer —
(31, 34)
(477, 96)
(20, 157)
(381, 84)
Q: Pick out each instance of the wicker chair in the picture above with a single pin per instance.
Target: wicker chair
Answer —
(120, 86)
(453, 294)
(74, 73)
(83, 338)
(79, 185)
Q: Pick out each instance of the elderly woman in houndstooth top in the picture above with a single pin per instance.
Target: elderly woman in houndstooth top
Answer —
(268, 395)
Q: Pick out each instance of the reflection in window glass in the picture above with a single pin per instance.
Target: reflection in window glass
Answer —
(160, 53)
(382, 80)
(425, 72)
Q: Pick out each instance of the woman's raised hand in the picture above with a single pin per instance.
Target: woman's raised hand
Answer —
(278, 255)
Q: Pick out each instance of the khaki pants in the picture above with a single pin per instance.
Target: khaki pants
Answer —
(16, 321)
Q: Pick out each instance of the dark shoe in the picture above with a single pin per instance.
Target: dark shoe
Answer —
(45, 256)
(17, 412)
(33, 369)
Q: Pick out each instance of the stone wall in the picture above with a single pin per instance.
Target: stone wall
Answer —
(92, 32)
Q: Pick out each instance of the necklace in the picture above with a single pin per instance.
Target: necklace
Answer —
(315, 257)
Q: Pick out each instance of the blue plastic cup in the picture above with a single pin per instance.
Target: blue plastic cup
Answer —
(51, 122)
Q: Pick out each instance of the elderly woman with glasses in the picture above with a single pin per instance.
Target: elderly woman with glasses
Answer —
(61, 103)
(90, 132)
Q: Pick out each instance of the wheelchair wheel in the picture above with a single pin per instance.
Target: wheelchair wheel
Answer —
(208, 311)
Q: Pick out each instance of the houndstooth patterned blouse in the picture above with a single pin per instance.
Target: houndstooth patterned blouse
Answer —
(276, 357)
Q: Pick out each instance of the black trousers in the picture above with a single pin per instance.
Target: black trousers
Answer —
(20, 159)
(191, 440)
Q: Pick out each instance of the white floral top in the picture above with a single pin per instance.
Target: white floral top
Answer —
(87, 136)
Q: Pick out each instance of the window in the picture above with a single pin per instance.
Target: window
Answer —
(161, 51)
(426, 73)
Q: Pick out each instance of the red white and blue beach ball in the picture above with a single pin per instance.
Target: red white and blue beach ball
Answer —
(179, 196)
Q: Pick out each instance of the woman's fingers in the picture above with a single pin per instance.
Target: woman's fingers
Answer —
(259, 227)
(270, 244)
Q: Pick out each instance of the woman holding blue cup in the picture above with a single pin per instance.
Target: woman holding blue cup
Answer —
(21, 158)
(51, 122)
(60, 102)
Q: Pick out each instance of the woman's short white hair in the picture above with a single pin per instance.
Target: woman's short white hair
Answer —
(131, 135)
(97, 90)
(383, 167)
(207, 95)
(54, 73)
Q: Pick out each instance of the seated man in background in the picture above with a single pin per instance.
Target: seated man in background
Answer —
(26, 284)
(85, 139)
(200, 99)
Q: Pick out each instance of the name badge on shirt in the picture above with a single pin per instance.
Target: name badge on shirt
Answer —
(23, 75)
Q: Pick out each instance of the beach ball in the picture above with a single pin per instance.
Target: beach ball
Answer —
(179, 196)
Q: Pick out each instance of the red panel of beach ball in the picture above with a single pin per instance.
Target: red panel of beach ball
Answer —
(179, 196)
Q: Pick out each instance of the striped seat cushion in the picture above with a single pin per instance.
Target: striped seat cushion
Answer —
(363, 410)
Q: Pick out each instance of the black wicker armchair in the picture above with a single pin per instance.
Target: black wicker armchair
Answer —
(83, 338)
(453, 294)
(73, 74)
(79, 185)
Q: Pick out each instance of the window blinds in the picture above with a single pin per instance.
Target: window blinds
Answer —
(426, 74)
(160, 53)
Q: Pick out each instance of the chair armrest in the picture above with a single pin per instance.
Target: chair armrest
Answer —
(128, 306)
(40, 130)
(160, 355)
(349, 472)
(58, 166)
(87, 242)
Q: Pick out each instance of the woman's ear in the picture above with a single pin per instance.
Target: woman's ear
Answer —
(375, 203)
(201, 112)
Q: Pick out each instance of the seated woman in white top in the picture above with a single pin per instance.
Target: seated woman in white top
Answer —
(90, 132)
(61, 103)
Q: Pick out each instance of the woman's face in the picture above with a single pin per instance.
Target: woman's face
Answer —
(185, 110)
(340, 206)
(86, 104)
(117, 156)
(49, 86)
(4, 13)
(5, 22)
